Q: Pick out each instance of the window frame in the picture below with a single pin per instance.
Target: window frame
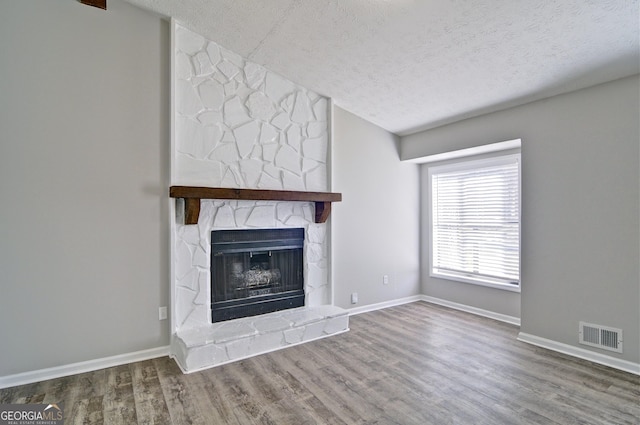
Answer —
(467, 164)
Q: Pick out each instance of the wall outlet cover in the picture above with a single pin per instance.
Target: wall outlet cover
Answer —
(162, 313)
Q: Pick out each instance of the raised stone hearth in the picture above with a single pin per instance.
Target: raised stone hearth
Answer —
(233, 340)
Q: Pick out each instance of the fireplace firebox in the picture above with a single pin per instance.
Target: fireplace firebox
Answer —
(255, 271)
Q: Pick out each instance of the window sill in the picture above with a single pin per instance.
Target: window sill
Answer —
(479, 282)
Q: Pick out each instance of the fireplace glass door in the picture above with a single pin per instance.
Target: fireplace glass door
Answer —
(255, 272)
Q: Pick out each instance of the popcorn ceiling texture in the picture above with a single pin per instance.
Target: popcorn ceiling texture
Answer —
(241, 126)
(405, 65)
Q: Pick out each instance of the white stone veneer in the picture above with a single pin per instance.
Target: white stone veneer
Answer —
(238, 125)
(241, 126)
(193, 250)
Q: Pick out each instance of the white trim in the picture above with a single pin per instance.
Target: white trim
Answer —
(461, 153)
(456, 306)
(471, 164)
(474, 281)
(385, 304)
(120, 359)
(473, 310)
(581, 353)
(81, 367)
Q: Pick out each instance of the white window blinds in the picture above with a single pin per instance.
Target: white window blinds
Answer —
(476, 220)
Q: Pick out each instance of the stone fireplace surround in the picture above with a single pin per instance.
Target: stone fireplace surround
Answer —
(238, 125)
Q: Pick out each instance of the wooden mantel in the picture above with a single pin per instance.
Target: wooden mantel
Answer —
(193, 194)
(102, 4)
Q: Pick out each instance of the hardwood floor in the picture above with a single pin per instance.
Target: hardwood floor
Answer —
(413, 364)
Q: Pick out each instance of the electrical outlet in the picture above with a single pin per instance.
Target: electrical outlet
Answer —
(162, 313)
(354, 298)
(385, 279)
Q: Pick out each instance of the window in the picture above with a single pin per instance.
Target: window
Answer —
(475, 221)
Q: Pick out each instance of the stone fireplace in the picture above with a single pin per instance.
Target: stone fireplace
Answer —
(238, 125)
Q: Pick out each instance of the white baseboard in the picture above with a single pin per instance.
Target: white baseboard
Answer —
(81, 367)
(105, 362)
(474, 310)
(581, 353)
(570, 350)
(462, 307)
(385, 304)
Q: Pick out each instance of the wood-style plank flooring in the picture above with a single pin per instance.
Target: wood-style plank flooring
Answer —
(413, 364)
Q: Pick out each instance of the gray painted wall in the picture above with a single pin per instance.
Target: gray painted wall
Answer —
(375, 227)
(581, 190)
(84, 130)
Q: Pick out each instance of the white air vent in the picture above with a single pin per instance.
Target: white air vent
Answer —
(601, 337)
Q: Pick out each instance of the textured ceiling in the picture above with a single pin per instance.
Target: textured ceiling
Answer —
(408, 65)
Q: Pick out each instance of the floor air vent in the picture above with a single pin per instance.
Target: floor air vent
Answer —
(601, 337)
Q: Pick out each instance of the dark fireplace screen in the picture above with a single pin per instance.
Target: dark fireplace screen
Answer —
(255, 272)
